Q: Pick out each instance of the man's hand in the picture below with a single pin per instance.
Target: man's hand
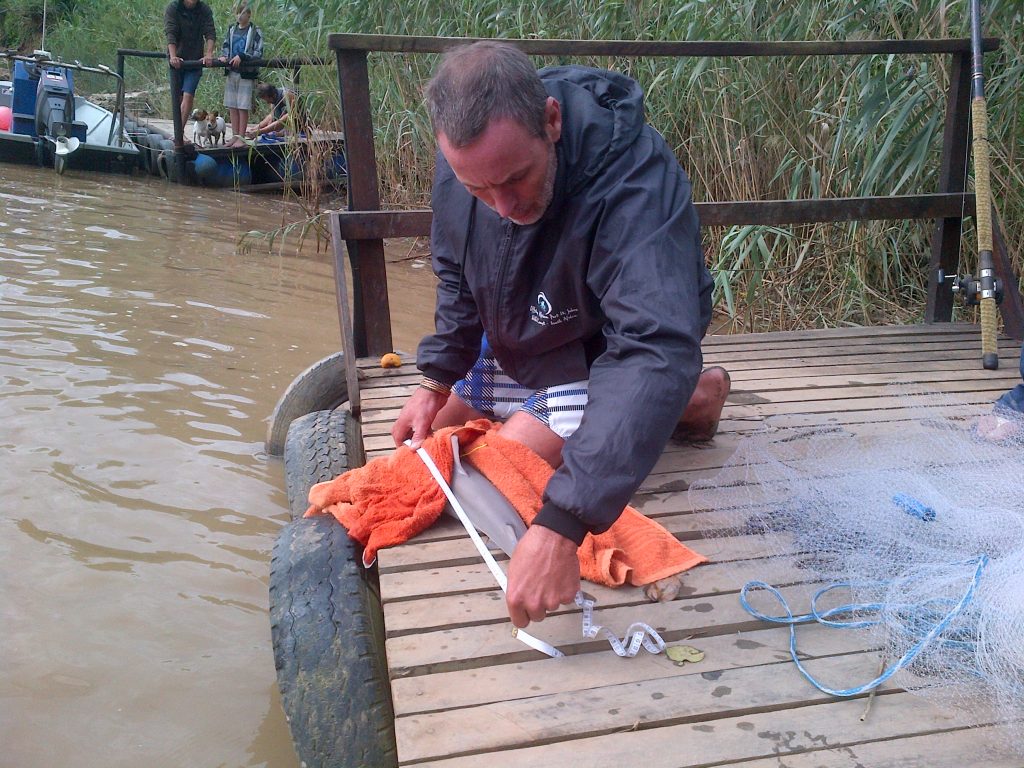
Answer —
(543, 574)
(208, 60)
(236, 61)
(416, 417)
(175, 61)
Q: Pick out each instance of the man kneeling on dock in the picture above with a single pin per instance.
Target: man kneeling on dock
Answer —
(573, 294)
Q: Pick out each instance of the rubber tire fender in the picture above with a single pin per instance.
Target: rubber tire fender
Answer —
(321, 386)
(314, 453)
(153, 141)
(326, 619)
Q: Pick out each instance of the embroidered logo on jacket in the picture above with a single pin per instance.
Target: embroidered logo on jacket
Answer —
(542, 313)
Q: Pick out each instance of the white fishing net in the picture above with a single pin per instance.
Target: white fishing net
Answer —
(923, 520)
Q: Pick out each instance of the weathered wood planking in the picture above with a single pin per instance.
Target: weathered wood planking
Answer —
(468, 694)
(470, 687)
(774, 734)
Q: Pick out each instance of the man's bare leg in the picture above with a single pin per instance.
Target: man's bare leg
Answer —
(521, 427)
(534, 434)
(186, 108)
(455, 413)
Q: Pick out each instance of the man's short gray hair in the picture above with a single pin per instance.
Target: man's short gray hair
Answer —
(481, 82)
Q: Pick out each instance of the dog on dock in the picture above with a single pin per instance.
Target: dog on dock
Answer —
(208, 128)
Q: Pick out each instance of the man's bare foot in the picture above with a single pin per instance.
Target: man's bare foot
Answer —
(699, 421)
(994, 428)
(664, 590)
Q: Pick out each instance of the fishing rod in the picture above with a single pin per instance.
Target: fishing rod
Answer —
(984, 290)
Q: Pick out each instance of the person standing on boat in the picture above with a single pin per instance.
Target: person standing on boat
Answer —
(242, 44)
(191, 35)
(572, 295)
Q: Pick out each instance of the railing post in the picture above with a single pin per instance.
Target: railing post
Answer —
(372, 315)
(177, 126)
(952, 178)
(1012, 308)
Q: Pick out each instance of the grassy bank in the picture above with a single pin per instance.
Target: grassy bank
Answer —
(745, 128)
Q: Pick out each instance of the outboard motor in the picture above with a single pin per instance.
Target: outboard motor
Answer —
(55, 105)
(55, 114)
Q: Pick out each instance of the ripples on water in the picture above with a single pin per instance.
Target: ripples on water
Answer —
(140, 354)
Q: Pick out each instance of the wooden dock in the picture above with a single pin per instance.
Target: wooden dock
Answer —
(466, 693)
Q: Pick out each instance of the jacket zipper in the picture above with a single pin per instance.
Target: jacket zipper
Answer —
(504, 256)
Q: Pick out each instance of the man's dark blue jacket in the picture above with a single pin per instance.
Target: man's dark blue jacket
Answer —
(609, 285)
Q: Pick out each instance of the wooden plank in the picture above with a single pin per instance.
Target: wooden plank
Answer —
(369, 225)
(670, 700)
(953, 393)
(749, 404)
(810, 350)
(777, 390)
(740, 420)
(464, 608)
(766, 735)
(923, 329)
(946, 334)
(943, 333)
(789, 377)
(844, 412)
(472, 687)
(937, 351)
(464, 580)
(760, 366)
(948, 749)
(914, 348)
(481, 645)
(771, 381)
(438, 554)
(420, 44)
(786, 212)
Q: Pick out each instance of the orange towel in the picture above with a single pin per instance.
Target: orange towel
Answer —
(392, 499)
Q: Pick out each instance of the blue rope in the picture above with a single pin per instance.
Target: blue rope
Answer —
(924, 615)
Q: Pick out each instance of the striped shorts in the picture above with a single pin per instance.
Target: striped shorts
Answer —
(489, 390)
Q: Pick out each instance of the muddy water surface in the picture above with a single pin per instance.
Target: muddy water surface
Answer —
(140, 355)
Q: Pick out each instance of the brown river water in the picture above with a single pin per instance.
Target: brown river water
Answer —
(141, 353)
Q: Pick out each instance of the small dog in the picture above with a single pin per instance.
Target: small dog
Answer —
(217, 129)
(208, 128)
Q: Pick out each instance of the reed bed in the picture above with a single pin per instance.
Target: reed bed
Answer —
(743, 128)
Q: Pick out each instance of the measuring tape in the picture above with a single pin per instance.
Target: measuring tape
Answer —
(639, 634)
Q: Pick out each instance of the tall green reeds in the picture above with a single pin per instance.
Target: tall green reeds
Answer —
(744, 128)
